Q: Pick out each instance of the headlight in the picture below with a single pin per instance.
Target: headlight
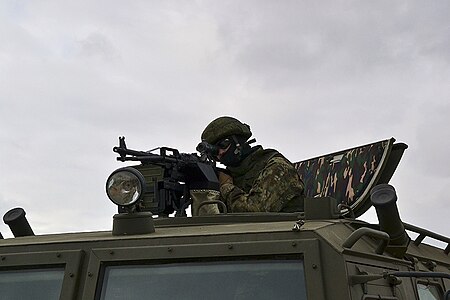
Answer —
(125, 186)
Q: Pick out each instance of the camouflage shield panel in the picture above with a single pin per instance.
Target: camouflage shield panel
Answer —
(347, 175)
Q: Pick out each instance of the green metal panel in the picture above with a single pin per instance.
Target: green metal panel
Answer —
(152, 174)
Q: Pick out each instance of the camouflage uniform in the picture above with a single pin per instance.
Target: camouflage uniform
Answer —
(265, 181)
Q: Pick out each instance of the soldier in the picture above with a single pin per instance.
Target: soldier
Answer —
(262, 180)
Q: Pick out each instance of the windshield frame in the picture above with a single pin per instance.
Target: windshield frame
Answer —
(283, 275)
(306, 249)
(69, 260)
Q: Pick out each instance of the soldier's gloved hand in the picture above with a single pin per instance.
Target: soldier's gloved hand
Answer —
(224, 178)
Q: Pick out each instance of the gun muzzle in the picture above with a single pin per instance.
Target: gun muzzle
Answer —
(384, 200)
(17, 222)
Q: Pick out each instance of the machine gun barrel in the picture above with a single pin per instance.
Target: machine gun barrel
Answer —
(125, 151)
(132, 155)
(144, 156)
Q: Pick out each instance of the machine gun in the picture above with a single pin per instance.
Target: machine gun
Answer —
(161, 184)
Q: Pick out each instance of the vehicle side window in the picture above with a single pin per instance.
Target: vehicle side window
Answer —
(256, 279)
(428, 292)
(33, 284)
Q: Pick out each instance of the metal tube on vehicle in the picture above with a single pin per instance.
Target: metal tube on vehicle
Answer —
(17, 222)
(384, 199)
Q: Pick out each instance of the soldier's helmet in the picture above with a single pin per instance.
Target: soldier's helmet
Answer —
(223, 127)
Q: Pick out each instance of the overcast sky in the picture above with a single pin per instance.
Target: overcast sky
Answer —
(310, 77)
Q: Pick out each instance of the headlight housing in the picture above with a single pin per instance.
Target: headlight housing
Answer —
(125, 186)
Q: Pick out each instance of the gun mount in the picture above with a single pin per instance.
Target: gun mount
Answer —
(161, 183)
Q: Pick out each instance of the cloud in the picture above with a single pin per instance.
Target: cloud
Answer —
(433, 148)
(289, 44)
(97, 44)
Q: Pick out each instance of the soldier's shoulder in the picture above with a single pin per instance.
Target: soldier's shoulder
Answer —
(280, 160)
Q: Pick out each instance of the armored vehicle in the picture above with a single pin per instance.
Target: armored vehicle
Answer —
(324, 252)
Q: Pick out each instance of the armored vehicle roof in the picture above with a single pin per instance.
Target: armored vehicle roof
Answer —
(322, 246)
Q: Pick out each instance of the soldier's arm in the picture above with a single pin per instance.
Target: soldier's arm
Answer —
(275, 186)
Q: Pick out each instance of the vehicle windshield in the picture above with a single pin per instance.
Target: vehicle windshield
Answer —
(254, 279)
(33, 284)
(428, 292)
